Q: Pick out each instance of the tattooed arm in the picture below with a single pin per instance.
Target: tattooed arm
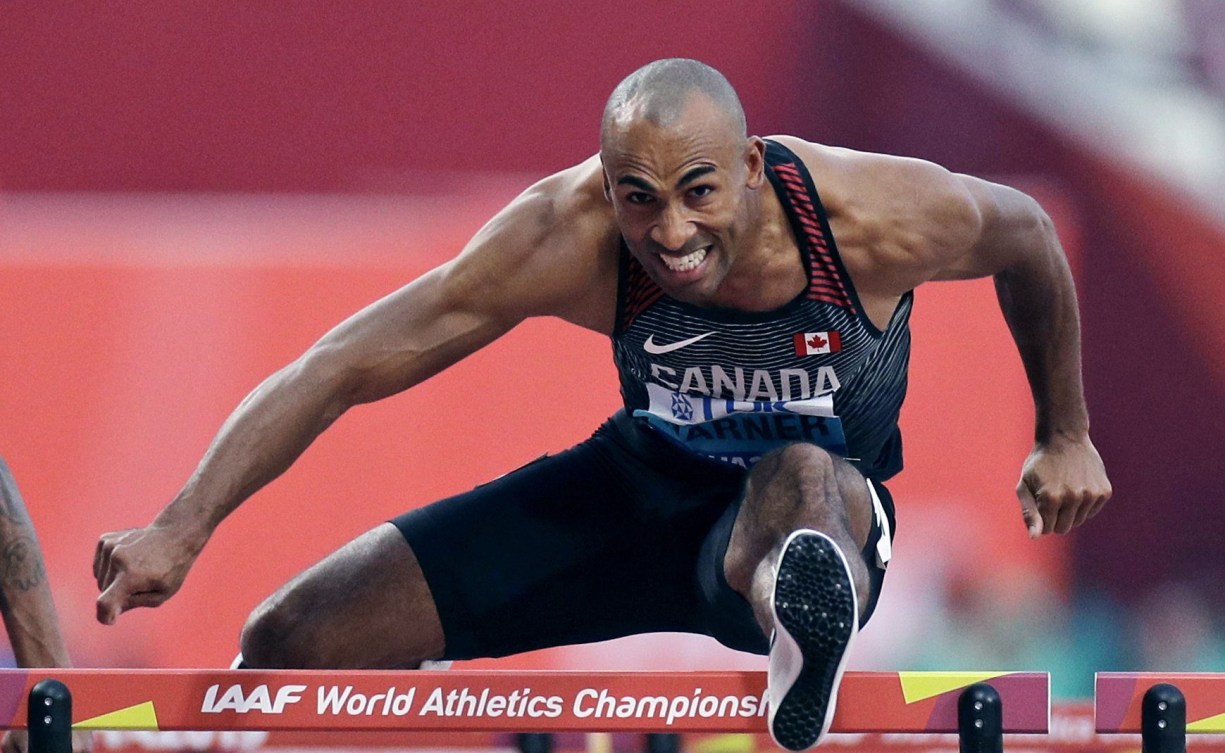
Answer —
(25, 601)
(25, 597)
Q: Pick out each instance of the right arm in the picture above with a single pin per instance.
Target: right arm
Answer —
(544, 254)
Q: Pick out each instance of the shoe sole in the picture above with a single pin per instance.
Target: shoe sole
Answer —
(816, 617)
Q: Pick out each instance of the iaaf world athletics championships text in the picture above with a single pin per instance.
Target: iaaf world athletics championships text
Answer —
(337, 700)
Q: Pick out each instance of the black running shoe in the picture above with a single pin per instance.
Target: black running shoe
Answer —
(816, 617)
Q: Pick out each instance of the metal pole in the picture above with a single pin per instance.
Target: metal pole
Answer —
(49, 718)
(1163, 720)
(980, 720)
(663, 742)
(531, 742)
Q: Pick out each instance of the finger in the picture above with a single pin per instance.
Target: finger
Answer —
(1082, 514)
(1085, 509)
(1098, 504)
(145, 599)
(1065, 519)
(113, 601)
(99, 555)
(111, 570)
(1048, 508)
(1029, 510)
(102, 557)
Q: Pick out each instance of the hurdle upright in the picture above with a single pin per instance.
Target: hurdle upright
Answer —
(1162, 707)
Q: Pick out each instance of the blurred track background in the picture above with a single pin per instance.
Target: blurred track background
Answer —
(192, 192)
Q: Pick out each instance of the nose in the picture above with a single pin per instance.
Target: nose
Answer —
(673, 230)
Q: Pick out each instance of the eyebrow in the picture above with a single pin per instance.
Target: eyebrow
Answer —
(636, 182)
(687, 178)
(696, 173)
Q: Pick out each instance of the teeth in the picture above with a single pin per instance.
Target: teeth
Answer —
(686, 262)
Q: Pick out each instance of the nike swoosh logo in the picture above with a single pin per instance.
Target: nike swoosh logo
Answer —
(650, 346)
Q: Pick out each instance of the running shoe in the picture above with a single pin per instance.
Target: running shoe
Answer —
(816, 617)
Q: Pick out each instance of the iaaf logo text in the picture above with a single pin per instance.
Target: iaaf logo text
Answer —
(261, 699)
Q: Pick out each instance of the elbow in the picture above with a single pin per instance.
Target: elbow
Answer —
(324, 372)
(1040, 222)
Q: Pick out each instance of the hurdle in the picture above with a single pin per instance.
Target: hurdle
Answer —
(1162, 707)
(977, 706)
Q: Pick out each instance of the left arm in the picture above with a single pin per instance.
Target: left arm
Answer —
(25, 600)
(901, 222)
(1063, 481)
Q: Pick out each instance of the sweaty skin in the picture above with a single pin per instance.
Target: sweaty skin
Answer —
(690, 198)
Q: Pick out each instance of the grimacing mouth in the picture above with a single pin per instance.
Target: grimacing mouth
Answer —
(686, 262)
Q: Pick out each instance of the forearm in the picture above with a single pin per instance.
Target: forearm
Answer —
(264, 435)
(1038, 298)
(25, 597)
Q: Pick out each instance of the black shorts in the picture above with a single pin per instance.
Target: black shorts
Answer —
(619, 535)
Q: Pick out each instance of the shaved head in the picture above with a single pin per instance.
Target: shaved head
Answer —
(660, 90)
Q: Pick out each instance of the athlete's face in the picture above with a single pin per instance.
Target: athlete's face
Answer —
(681, 194)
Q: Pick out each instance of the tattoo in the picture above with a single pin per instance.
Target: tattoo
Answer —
(11, 507)
(21, 563)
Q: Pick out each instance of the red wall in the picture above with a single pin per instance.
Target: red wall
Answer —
(237, 95)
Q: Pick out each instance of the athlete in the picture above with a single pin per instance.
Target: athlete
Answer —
(760, 332)
(25, 602)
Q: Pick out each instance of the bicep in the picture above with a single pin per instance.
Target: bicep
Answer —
(408, 336)
(527, 261)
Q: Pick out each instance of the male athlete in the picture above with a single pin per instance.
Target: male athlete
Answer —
(760, 334)
(26, 604)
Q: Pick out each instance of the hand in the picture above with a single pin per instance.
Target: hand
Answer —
(140, 567)
(18, 741)
(1063, 484)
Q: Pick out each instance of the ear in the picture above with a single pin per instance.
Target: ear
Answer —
(755, 162)
(605, 181)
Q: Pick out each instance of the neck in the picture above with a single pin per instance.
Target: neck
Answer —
(768, 270)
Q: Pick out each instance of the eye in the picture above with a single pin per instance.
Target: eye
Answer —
(639, 197)
(701, 192)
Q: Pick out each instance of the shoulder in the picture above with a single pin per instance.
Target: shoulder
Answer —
(851, 180)
(904, 218)
(550, 252)
(569, 203)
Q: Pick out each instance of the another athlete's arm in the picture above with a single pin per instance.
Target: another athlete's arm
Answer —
(543, 254)
(25, 600)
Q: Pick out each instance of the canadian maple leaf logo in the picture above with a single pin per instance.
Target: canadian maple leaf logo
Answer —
(817, 343)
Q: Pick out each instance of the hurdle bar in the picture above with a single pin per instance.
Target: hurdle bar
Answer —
(501, 700)
(1162, 707)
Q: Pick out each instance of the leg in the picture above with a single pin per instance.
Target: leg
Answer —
(796, 487)
(366, 606)
(795, 554)
(588, 545)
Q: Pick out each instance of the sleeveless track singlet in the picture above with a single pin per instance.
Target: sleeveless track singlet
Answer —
(732, 385)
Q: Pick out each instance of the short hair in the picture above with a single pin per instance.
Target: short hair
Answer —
(661, 89)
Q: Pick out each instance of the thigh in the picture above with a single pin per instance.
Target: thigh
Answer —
(364, 606)
(568, 549)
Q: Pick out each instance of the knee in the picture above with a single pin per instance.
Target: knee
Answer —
(788, 488)
(793, 473)
(272, 637)
(792, 487)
